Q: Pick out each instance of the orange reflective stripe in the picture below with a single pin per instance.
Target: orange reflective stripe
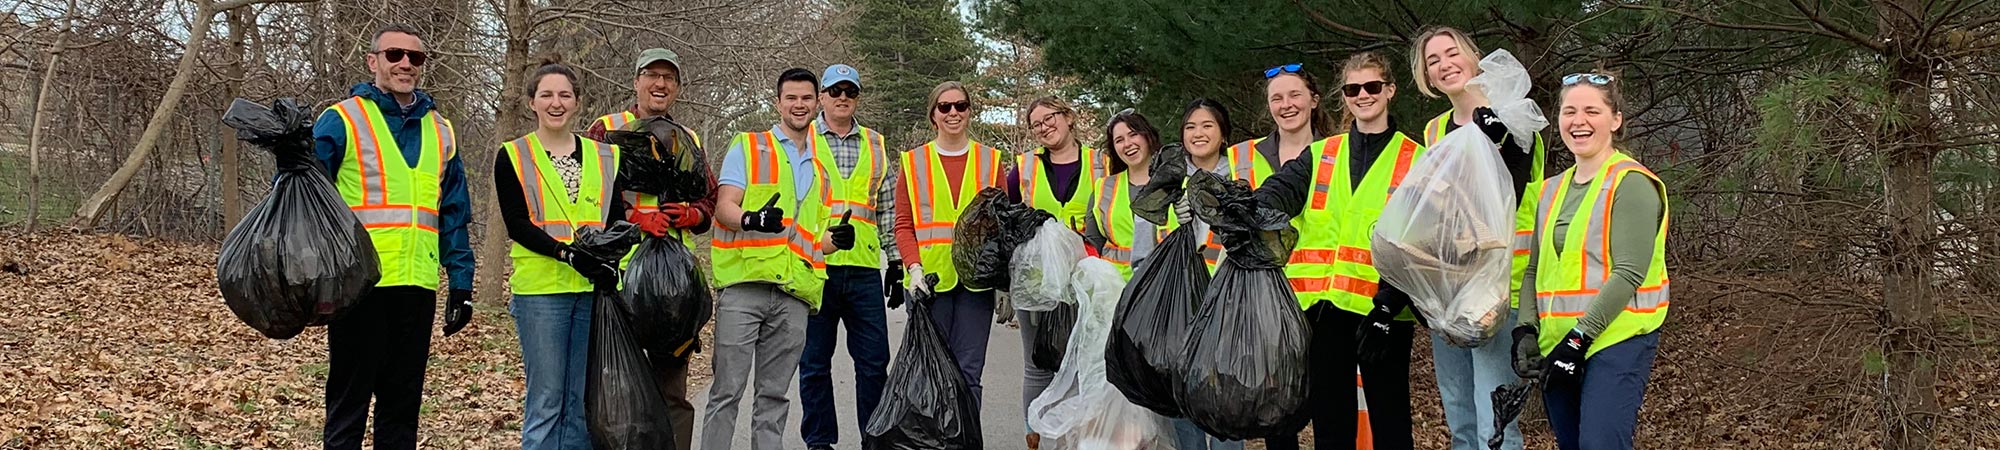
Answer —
(1403, 157)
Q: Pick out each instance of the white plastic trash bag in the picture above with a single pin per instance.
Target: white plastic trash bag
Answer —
(1445, 237)
(1041, 268)
(1080, 410)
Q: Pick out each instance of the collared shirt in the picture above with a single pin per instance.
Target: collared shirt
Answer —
(801, 156)
(846, 150)
(405, 125)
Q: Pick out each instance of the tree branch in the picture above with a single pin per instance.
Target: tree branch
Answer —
(1330, 23)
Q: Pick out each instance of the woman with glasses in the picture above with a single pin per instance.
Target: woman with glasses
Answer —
(1597, 277)
(1058, 177)
(551, 183)
(1119, 234)
(1292, 97)
(1337, 190)
(939, 180)
(1444, 59)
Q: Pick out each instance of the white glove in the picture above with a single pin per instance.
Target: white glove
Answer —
(918, 288)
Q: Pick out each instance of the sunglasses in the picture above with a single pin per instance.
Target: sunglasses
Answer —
(1288, 68)
(1354, 89)
(840, 91)
(1592, 78)
(961, 106)
(395, 55)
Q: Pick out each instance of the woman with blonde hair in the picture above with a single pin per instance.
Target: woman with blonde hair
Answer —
(939, 180)
(1443, 59)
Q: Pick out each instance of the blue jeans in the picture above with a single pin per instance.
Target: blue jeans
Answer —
(1187, 436)
(853, 297)
(555, 346)
(1603, 412)
(1466, 380)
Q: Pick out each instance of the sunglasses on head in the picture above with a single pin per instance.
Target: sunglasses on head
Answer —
(1288, 68)
(395, 55)
(1354, 89)
(960, 106)
(1592, 78)
(843, 90)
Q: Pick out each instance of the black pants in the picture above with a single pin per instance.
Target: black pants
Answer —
(1332, 401)
(378, 351)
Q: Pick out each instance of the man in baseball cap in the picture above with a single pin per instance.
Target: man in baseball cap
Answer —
(655, 86)
(854, 289)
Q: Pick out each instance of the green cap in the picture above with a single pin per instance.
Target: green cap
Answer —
(653, 55)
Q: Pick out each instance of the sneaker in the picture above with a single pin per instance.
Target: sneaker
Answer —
(819, 447)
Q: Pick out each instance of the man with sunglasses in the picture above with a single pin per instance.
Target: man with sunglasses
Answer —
(861, 183)
(395, 162)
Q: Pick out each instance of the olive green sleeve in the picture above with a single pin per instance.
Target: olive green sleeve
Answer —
(1635, 221)
(1529, 313)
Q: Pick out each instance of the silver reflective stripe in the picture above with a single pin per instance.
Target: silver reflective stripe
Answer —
(1574, 304)
(561, 231)
(447, 138)
(1116, 255)
(606, 175)
(1524, 241)
(1209, 253)
(862, 213)
(368, 151)
(1029, 167)
(617, 121)
(1107, 191)
(531, 178)
(922, 188)
(925, 234)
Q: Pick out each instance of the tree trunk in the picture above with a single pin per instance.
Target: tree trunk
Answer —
(87, 215)
(508, 121)
(41, 116)
(232, 166)
(1910, 406)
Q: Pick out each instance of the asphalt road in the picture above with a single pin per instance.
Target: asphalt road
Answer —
(1000, 417)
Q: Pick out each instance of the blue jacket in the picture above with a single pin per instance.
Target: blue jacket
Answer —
(454, 209)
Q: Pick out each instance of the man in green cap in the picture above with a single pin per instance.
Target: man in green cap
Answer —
(655, 86)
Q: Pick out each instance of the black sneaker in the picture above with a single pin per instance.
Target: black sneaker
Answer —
(819, 447)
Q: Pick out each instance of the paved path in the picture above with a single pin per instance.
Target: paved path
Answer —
(1001, 417)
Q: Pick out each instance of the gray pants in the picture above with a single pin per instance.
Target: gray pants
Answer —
(1034, 380)
(756, 325)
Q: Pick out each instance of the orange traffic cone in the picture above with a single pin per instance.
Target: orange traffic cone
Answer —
(1364, 439)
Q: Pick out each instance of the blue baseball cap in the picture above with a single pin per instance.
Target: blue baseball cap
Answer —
(837, 73)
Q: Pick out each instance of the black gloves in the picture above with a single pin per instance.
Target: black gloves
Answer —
(892, 284)
(457, 311)
(1565, 363)
(1372, 338)
(769, 219)
(600, 271)
(1527, 352)
(843, 234)
(1490, 124)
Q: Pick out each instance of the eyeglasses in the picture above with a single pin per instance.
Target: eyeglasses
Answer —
(1046, 119)
(659, 76)
(1354, 89)
(961, 106)
(1288, 68)
(839, 91)
(395, 55)
(1592, 78)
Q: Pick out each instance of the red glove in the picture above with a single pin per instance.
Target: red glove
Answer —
(654, 224)
(682, 216)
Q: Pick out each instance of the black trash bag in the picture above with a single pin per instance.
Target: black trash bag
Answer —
(1146, 356)
(926, 404)
(1051, 330)
(986, 235)
(299, 258)
(667, 299)
(660, 157)
(1249, 351)
(1157, 198)
(621, 401)
(1508, 401)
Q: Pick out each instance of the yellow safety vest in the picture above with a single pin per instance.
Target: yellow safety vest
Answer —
(1524, 216)
(1247, 164)
(1567, 281)
(790, 259)
(395, 200)
(550, 208)
(1117, 221)
(1038, 189)
(1335, 260)
(930, 195)
(855, 192)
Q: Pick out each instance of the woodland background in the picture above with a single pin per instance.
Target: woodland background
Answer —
(1833, 168)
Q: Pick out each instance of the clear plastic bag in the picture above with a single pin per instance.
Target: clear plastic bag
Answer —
(1080, 410)
(1042, 267)
(1445, 237)
(299, 258)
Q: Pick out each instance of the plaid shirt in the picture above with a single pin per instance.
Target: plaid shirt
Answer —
(846, 151)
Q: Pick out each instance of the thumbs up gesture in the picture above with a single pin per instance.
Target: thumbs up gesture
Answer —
(843, 233)
(769, 219)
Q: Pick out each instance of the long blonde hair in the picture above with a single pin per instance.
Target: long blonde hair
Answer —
(1361, 61)
(1417, 67)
